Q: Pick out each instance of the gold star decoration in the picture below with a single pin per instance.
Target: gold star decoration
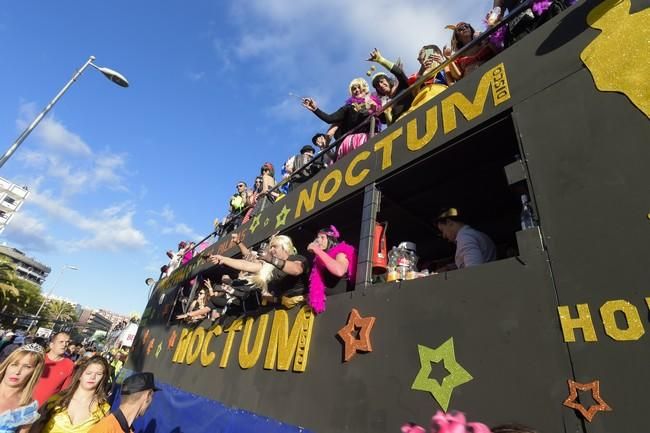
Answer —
(281, 218)
(266, 222)
(441, 392)
(595, 394)
(351, 344)
(145, 336)
(255, 223)
(172, 339)
(158, 349)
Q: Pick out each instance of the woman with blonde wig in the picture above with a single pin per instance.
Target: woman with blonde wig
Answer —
(358, 107)
(280, 274)
(18, 376)
(80, 406)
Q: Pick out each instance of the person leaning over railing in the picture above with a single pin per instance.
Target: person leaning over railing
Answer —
(281, 273)
(386, 89)
(463, 34)
(430, 57)
(358, 107)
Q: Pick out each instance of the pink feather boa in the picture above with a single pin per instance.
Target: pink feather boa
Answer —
(453, 422)
(317, 295)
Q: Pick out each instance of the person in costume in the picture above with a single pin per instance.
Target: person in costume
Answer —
(387, 90)
(528, 20)
(18, 376)
(429, 57)
(471, 59)
(334, 267)
(358, 107)
(137, 394)
(80, 406)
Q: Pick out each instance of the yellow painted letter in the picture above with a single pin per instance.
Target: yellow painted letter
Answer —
(352, 179)
(386, 146)
(634, 329)
(583, 322)
(236, 326)
(247, 359)
(194, 348)
(306, 199)
(413, 142)
(181, 347)
(289, 344)
(494, 79)
(208, 358)
(334, 176)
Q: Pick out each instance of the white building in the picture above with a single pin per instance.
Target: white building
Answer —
(12, 197)
(27, 268)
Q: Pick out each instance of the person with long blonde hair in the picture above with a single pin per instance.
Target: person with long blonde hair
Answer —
(18, 376)
(80, 406)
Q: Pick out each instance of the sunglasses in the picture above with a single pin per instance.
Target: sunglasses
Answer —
(240, 185)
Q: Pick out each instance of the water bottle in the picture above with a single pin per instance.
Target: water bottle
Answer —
(526, 218)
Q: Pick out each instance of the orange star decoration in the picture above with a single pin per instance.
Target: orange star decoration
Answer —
(145, 336)
(352, 344)
(171, 340)
(595, 394)
(150, 346)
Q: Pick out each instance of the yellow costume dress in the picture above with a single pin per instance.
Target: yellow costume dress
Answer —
(60, 422)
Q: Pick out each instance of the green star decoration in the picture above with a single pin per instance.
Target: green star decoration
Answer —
(255, 223)
(281, 218)
(266, 222)
(457, 374)
(158, 349)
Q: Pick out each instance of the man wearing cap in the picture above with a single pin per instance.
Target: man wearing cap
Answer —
(299, 161)
(321, 141)
(472, 246)
(137, 395)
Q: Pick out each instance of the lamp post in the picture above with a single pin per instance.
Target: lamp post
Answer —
(58, 278)
(112, 75)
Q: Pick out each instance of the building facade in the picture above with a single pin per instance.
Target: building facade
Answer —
(12, 197)
(91, 320)
(27, 268)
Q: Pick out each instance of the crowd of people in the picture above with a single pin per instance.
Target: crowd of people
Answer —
(64, 388)
(393, 94)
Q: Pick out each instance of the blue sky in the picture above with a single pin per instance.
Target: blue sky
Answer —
(119, 176)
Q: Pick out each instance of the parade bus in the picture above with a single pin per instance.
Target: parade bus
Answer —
(550, 335)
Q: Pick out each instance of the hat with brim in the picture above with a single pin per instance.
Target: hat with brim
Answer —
(450, 212)
(320, 134)
(307, 148)
(139, 382)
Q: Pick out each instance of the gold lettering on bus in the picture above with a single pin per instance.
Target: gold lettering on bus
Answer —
(195, 345)
(181, 348)
(495, 80)
(326, 192)
(306, 199)
(207, 358)
(284, 345)
(248, 358)
(634, 329)
(236, 326)
(386, 147)
(352, 179)
(413, 142)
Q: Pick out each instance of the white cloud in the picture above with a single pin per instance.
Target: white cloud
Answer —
(183, 230)
(52, 133)
(110, 230)
(30, 233)
(169, 225)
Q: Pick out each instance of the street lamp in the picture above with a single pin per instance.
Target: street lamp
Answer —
(112, 75)
(58, 278)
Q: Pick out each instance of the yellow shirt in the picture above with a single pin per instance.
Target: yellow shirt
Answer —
(60, 421)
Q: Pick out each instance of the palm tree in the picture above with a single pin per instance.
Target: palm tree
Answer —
(60, 310)
(7, 277)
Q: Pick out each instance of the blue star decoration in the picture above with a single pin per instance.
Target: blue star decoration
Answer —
(457, 374)
(255, 223)
(281, 218)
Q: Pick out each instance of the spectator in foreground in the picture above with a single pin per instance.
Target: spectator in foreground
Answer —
(137, 394)
(57, 369)
(472, 246)
(358, 107)
(451, 422)
(334, 268)
(14, 342)
(18, 376)
(80, 406)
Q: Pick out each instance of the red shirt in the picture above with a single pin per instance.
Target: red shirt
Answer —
(55, 373)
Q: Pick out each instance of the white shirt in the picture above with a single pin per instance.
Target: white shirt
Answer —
(473, 248)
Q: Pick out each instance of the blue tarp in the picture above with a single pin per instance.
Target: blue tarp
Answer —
(177, 411)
